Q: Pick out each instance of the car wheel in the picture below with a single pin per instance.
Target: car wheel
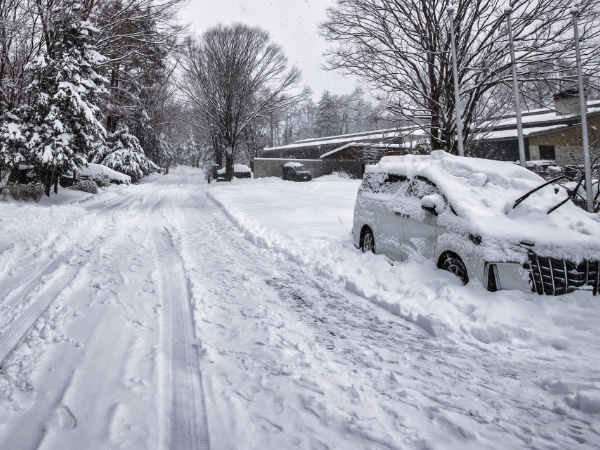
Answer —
(368, 241)
(453, 264)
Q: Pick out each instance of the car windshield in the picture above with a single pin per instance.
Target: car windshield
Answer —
(300, 169)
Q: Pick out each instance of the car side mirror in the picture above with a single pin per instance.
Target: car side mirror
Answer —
(433, 203)
(430, 209)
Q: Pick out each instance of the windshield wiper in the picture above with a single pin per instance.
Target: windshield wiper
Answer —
(522, 198)
(570, 197)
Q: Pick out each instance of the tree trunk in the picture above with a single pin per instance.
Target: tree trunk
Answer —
(47, 179)
(14, 175)
(229, 166)
(56, 184)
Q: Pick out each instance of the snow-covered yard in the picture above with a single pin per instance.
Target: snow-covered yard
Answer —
(240, 316)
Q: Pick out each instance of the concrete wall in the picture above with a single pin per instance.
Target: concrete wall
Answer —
(271, 167)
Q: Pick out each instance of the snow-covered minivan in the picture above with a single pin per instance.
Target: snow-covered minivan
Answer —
(487, 221)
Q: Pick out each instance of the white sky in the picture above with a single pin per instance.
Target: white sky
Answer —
(292, 24)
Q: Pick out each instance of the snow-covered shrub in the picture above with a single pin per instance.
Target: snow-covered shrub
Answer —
(122, 152)
(88, 186)
(4, 192)
(25, 192)
(101, 180)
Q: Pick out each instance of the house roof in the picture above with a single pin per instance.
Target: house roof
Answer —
(535, 121)
(512, 132)
(365, 137)
(358, 144)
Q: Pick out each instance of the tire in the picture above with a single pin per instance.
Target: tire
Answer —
(367, 243)
(453, 264)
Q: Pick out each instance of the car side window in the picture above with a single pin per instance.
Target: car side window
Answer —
(381, 183)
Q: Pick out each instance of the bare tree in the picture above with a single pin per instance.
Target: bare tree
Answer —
(234, 75)
(401, 47)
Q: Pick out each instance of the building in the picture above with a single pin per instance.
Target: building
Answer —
(346, 153)
(549, 133)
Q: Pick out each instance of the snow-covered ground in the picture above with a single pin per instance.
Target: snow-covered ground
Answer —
(240, 316)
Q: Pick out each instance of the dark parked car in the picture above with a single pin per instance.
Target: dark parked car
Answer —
(294, 171)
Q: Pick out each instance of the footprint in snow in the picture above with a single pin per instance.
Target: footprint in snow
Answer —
(65, 418)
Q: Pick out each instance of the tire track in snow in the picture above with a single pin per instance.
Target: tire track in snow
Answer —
(188, 427)
(64, 269)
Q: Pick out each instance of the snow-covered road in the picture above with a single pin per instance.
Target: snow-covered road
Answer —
(145, 318)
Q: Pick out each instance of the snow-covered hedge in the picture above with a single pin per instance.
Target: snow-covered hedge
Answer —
(101, 180)
(88, 186)
(25, 192)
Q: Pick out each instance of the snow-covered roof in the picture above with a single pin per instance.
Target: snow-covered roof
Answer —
(383, 135)
(354, 144)
(99, 169)
(534, 122)
(545, 115)
(512, 132)
(484, 191)
(339, 149)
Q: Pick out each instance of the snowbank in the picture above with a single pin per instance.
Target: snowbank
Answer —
(310, 224)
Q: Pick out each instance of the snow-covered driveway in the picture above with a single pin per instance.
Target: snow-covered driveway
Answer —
(163, 326)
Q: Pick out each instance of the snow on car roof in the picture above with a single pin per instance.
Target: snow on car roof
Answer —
(99, 169)
(293, 164)
(484, 191)
(239, 168)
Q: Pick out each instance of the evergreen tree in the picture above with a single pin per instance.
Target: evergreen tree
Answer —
(11, 142)
(61, 125)
(327, 121)
(122, 152)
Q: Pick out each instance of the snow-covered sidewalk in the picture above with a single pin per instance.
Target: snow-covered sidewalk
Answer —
(240, 316)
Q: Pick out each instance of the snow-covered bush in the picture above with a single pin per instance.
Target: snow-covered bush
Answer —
(88, 186)
(122, 152)
(101, 180)
(25, 192)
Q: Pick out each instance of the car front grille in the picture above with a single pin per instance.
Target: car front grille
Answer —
(553, 276)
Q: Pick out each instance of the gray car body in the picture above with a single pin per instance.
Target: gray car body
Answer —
(400, 226)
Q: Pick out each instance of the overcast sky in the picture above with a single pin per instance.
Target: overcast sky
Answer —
(292, 24)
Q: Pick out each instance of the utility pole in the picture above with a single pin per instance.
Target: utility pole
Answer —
(508, 10)
(459, 129)
(583, 107)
